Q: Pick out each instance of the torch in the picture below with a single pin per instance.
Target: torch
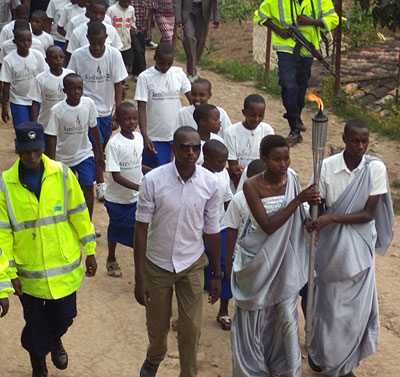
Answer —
(319, 131)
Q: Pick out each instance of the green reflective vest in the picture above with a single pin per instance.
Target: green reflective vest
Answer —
(283, 13)
(42, 238)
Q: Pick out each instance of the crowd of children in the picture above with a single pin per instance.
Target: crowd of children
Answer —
(78, 98)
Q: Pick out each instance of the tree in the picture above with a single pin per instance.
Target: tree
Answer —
(386, 13)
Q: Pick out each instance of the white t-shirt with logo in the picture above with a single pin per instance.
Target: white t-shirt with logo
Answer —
(99, 75)
(124, 155)
(48, 91)
(79, 37)
(20, 72)
(213, 136)
(243, 144)
(185, 118)
(54, 11)
(9, 46)
(162, 92)
(71, 126)
(123, 19)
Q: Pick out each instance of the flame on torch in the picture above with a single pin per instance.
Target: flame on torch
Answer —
(314, 98)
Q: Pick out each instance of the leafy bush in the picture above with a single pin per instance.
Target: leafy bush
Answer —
(241, 10)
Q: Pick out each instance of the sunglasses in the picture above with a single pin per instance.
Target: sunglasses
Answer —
(187, 146)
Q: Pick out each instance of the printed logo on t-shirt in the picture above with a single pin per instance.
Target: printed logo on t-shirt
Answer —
(135, 161)
(55, 95)
(165, 93)
(26, 73)
(99, 76)
(80, 127)
(248, 154)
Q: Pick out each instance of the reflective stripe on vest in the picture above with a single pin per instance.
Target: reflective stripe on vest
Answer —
(51, 272)
(49, 220)
(79, 208)
(5, 285)
(5, 225)
(262, 16)
(87, 239)
(11, 263)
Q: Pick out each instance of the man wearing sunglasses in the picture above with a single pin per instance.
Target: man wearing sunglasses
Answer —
(177, 208)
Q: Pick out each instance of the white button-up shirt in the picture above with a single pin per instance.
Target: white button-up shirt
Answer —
(178, 213)
(336, 176)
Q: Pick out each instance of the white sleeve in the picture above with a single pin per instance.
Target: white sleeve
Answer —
(141, 93)
(112, 164)
(119, 70)
(63, 19)
(51, 10)
(232, 215)
(6, 72)
(322, 182)
(42, 62)
(73, 43)
(35, 92)
(92, 115)
(227, 192)
(230, 144)
(179, 120)
(115, 39)
(72, 63)
(2, 55)
(52, 125)
(185, 83)
(379, 178)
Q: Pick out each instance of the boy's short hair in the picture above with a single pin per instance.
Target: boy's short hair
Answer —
(21, 11)
(355, 123)
(202, 82)
(21, 31)
(123, 106)
(203, 111)
(255, 167)
(40, 14)
(253, 98)
(183, 130)
(96, 28)
(70, 76)
(212, 148)
(21, 24)
(52, 47)
(165, 49)
(270, 142)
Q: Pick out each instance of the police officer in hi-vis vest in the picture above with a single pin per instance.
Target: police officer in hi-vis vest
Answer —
(43, 224)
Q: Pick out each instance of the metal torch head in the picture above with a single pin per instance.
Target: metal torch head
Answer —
(319, 131)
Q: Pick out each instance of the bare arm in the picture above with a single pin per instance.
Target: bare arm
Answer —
(4, 101)
(270, 224)
(231, 238)
(141, 292)
(365, 216)
(52, 143)
(118, 92)
(146, 169)
(61, 31)
(35, 111)
(213, 242)
(188, 95)
(148, 144)
(283, 33)
(124, 182)
(97, 147)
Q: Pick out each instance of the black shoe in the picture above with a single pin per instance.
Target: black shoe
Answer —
(148, 369)
(294, 137)
(39, 368)
(58, 355)
(313, 366)
(300, 125)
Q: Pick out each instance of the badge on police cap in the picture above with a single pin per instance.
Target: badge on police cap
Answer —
(32, 135)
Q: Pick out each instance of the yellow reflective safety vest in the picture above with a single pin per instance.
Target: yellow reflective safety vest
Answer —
(283, 13)
(5, 284)
(42, 238)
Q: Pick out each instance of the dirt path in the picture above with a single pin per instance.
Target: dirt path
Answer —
(108, 338)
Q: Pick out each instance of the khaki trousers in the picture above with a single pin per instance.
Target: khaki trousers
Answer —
(189, 291)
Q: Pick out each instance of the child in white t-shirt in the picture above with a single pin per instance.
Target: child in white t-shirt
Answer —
(237, 214)
(21, 13)
(72, 9)
(48, 88)
(103, 72)
(96, 12)
(215, 157)
(53, 13)
(208, 124)
(38, 21)
(124, 168)
(158, 94)
(123, 19)
(243, 138)
(18, 73)
(201, 93)
(68, 130)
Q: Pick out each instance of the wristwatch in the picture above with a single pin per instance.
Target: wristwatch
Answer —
(217, 276)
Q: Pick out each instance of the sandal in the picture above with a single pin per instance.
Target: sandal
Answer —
(113, 269)
(225, 321)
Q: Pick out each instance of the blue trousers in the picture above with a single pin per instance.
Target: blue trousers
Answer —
(45, 320)
(294, 72)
